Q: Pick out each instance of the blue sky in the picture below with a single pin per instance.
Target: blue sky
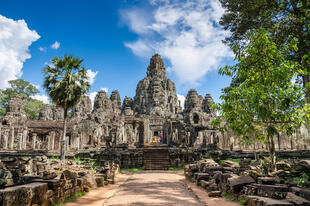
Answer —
(116, 40)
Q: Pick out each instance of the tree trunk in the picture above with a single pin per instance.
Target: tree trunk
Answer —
(63, 141)
(272, 152)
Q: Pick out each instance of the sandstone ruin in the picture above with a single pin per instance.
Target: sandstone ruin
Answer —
(153, 116)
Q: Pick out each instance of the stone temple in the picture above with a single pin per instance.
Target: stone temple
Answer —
(153, 122)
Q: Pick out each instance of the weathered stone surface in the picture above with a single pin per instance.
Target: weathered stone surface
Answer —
(116, 102)
(215, 194)
(102, 107)
(236, 183)
(46, 113)
(264, 201)
(304, 193)
(68, 175)
(58, 113)
(272, 191)
(82, 110)
(156, 94)
(296, 200)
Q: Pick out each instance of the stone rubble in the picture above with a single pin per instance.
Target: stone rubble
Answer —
(241, 181)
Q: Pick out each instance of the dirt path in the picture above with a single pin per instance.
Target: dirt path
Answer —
(97, 197)
(154, 188)
(151, 188)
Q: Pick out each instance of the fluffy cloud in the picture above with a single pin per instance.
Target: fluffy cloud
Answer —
(91, 75)
(15, 39)
(184, 32)
(42, 49)
(56, 45)
(181, 98)
(42, 98)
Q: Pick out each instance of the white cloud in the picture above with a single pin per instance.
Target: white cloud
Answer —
(56, 45)
(42, 98)
(181, 98)
(15, 39)
(140, 48)
(91, 75)
(186, 33)
(42, 49)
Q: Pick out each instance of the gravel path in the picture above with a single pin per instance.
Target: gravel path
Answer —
(154, 188)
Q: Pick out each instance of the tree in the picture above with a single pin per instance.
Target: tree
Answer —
(66, 82)
(262, 99)
(32, 108)
(25, 90)
(283, 19)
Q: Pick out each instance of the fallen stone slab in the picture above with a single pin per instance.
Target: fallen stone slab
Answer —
(296, 200)
(272, 191)
(304, 193)
(215, 194)
(265, 201)
(236, 183)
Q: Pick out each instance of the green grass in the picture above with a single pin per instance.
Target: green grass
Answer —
(176, 168)
(132, 169)
(231, 198)
(71, 198)
(230, 159)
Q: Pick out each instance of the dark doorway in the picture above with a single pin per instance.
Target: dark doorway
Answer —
(196, 119)
(156, 133)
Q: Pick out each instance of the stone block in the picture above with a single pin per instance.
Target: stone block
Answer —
(264, 201)
(296, 200)
(215, 194)
(236, 183)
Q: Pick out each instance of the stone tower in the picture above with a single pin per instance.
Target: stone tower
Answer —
(156, 94)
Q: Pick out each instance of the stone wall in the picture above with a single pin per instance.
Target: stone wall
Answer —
(34, 179)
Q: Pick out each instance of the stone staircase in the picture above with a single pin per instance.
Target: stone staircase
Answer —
(156, 158)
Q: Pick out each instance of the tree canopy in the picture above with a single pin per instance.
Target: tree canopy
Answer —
(66, 82)
(25, 90)
(262, 99)
(284, 20)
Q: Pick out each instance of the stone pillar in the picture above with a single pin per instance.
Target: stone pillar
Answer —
(48, 142)
(1, 139)
(52, 135)
(20, 139)
(67, 144)
(34, 141)
(12, 138)
(5, 140)
(25, 135)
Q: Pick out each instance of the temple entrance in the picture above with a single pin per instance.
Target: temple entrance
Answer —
(157, 137)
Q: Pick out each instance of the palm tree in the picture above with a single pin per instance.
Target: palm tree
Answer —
(65, 82)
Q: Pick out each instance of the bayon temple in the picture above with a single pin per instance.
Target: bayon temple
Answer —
(153, 117)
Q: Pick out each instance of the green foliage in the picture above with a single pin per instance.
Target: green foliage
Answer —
(262, 99)
(71, 198)
(32, 108)
(300, 181)
(25, 90)
(132, 169)
(176, 169)
(230, 159)
(66, 82)
(285, 20)
(232, 198)
(297, 178)
(95, 164)
(242, 202)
